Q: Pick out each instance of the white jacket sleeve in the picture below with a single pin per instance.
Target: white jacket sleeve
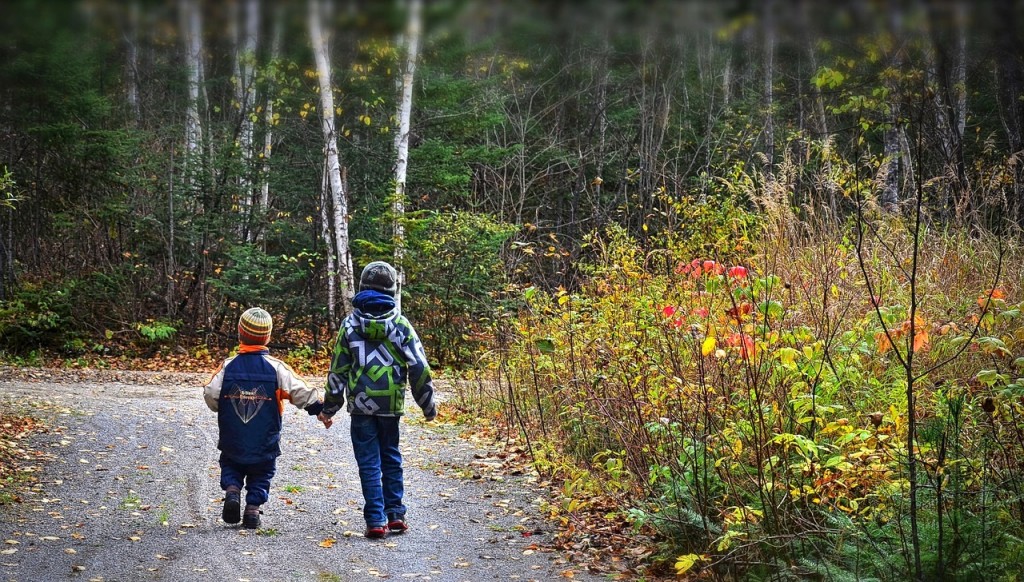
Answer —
(300, 394)
(211, 392)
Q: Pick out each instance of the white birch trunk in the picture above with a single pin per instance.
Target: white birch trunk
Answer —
(412, 42)
(245, 38)
(132, 64)
(769, 74)
(319, 39)
(191, 26)
(325, 233)
(268, 112)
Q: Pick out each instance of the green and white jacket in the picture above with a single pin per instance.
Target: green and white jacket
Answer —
(373, 359)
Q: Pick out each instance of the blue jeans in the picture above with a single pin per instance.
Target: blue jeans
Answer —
(375, 445)
(256, 477)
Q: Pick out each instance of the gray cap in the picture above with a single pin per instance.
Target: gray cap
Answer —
(379, 276)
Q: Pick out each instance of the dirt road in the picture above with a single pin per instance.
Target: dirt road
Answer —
(131, 493)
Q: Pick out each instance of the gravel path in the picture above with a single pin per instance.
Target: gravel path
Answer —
(131, 493)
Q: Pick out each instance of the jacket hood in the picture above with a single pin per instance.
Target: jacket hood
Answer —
(375, 327)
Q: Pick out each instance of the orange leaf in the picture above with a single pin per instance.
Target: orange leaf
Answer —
(920, 340)
(884, 345)
(327, 543)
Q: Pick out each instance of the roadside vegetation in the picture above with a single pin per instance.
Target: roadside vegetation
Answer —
(742, 284)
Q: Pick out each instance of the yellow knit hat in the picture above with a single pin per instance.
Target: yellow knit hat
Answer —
(254, 327)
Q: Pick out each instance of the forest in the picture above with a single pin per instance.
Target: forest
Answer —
(744, 277)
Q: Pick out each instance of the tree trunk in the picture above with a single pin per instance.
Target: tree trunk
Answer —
(245, 33)
(768, 7)
(325, 233)
(172, 268)
(268, 116)
(191, 26)
(412, 43)
(820, 120)
(320, 39)
(132, 64)
(1010, 80)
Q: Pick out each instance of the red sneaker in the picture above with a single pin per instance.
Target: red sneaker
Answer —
(376, 532)
(397, 525)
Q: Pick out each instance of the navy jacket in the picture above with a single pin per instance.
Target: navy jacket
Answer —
(248, 394)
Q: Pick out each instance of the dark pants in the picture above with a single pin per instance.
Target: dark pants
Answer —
(256, 478)
(375, 444)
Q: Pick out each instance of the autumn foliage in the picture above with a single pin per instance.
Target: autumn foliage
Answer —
(748, 412)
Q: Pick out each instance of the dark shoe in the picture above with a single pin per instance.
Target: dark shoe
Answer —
(397, 525)
(232, 506)
(376, 532)
(251, 518)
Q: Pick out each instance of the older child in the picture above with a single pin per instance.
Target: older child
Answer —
(248, 393)
(377, 352)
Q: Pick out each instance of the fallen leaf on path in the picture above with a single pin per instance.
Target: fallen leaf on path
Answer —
(327, 543)
(8, 551)
(49, 538)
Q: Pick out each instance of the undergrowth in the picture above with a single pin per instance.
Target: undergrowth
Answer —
(748, 406)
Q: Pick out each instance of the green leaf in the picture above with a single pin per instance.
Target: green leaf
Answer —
(545, 345)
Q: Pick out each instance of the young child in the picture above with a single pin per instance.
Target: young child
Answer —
(377, 352)
(248, 394)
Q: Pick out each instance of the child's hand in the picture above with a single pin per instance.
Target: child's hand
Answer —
(328, 421)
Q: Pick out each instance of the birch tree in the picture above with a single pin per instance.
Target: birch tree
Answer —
(132, 63)
(769, 74)
(268, 112)
(325, 233)
(320, 40)
(412, 41)
(191, 26)
(245, 30)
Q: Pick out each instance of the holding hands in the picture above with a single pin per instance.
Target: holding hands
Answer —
(328, 421)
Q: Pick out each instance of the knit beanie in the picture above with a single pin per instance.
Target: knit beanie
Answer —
(379, 276)
(254, 327)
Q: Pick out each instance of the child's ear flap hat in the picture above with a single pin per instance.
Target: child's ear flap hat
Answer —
(254, 327)
(379, 276)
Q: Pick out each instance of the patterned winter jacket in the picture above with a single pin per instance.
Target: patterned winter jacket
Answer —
(374, 357)
(248, 393)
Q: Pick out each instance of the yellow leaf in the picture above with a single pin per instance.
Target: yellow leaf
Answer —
(327, 543)
(685, 562)
(708, 347)
(787, 356)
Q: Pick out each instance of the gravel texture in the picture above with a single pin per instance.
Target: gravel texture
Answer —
(130, 492)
